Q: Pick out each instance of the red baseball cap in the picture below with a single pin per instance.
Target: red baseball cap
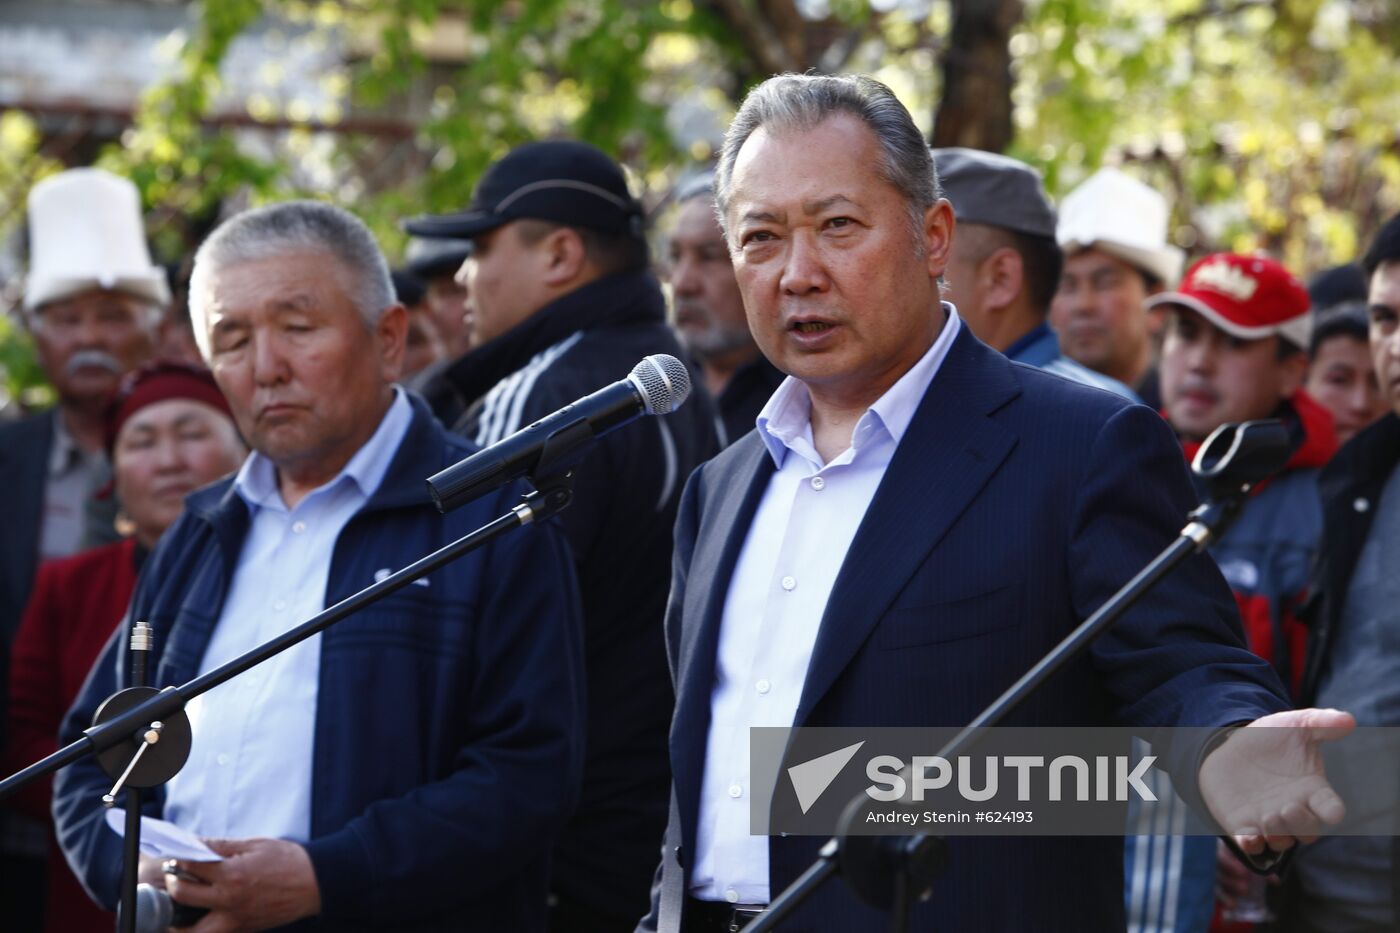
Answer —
(1249, 297)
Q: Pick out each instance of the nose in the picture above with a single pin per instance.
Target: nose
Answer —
(465, 272)
(89, 333)
(167, 455)
(1200, 355)
(804, 272)
(269, 360)
(685, 277)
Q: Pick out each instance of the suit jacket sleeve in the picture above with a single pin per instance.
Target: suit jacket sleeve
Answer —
(1178, 658)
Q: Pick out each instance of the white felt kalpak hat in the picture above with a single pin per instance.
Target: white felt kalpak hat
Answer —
(1123, 217)
(85, 232)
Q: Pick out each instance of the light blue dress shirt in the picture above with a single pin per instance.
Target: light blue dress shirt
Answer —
(249, 772)
(794, 549)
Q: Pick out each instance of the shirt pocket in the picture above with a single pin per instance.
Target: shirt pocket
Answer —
(955, 617)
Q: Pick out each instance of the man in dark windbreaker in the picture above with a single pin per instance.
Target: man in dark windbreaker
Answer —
(561, 303)
(1235, 350)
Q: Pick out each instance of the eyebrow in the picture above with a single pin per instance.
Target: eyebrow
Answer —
(816, 207)
(809, 208)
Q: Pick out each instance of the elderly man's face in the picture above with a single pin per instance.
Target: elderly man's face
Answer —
(709, 308)
(838, 291)
(306, 379)
(86, 342)
(1384, 301)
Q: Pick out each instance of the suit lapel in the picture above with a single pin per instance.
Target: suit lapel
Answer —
(737, 490)
(949, 451)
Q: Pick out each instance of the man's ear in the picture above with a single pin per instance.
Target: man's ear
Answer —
(564, 257)
(1292, 372)
(1004, 276)
(938, 229)
(390, 338)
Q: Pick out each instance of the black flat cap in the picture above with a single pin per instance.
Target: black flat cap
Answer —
(563, 181)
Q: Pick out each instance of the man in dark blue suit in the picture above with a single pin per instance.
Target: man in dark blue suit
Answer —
(914, 523)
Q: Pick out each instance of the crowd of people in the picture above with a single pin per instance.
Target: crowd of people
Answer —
(937, 421)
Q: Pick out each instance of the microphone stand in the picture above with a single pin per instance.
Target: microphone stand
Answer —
(891, 872)
(141, 736)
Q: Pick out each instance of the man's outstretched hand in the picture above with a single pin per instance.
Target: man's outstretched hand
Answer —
(1265, 784)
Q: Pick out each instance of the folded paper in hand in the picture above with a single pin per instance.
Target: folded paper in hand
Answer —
(162, 839)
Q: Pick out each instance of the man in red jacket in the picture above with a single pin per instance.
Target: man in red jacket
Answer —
(1236, 343)
(1236, 350)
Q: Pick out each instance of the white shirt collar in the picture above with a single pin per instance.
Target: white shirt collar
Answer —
(785, 423)
(256, 482)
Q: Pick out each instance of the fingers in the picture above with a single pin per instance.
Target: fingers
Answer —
(227, 847)
(1327, 725)
(1231, 877)
(194, 893)
(213, 922)
(1327, 805)
(1250, 841)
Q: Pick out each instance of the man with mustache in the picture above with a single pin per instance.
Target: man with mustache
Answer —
(93, 303)
(709, 313)
(406, 768)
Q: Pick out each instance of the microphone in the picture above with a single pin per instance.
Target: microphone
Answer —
(156, 912)
(656, 386)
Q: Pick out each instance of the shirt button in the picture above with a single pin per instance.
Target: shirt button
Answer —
(736, 791)
(732, 896)
(280, 605)
(223, 758)
(789, 583)
(763, 686)
(818, 483)
(298, 527)
(1361, 505)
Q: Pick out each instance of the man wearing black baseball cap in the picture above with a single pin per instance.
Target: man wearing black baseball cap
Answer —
(560, 303)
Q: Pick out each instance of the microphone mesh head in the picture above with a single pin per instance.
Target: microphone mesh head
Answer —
(663, 381)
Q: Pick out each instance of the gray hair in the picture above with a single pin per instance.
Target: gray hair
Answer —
(802, 102)
(294, 226)
(698, 186)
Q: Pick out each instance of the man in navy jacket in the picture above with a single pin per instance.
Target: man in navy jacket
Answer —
(917, 521)
(407, 768)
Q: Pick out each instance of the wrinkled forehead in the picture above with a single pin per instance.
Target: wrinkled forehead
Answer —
(792, 168)
(293, 281)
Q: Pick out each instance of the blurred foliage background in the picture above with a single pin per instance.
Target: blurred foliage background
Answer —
(1270, 124)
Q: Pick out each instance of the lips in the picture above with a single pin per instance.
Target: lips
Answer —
(277, 410)
(174, 490)
(1199, 398)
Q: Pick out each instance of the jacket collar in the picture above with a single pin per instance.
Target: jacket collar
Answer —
(419, 455)
(1366, 460)
(624, 298)
(1309, 428)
